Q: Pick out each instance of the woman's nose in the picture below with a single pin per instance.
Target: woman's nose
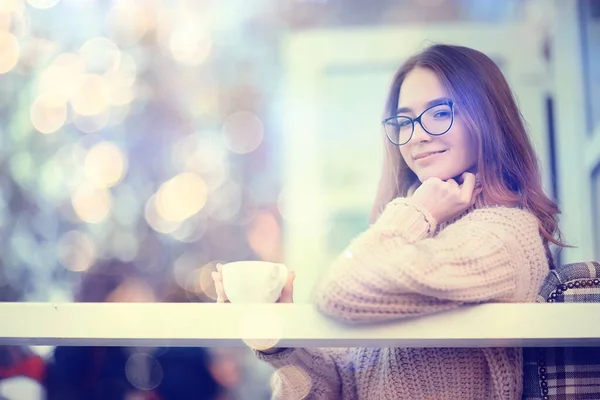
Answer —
(419, 134)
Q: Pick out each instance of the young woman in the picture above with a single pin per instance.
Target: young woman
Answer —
(460, 218)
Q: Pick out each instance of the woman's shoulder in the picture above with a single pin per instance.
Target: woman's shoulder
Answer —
(502, 212)
(509, 216)
(493, 215)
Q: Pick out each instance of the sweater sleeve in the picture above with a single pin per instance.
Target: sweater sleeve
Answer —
(312, 374)
(396, 269)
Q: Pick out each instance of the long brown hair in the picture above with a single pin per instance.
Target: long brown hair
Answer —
(507, 164)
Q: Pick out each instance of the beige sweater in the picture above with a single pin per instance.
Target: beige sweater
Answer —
(404, 266)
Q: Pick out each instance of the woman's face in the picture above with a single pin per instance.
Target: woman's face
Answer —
(446, 156)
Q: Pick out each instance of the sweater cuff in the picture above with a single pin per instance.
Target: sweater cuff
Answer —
(403, 217)
(275, 359)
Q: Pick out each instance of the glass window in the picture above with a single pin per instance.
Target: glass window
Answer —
(596, 210)
(590, 25)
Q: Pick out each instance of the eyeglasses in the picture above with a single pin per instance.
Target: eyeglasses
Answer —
(435, 120)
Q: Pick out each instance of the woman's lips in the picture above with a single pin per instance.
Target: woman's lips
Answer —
(428, 155)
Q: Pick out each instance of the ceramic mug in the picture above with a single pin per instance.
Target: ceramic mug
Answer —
(253, 281)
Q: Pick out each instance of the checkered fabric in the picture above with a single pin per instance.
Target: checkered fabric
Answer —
(565, 373)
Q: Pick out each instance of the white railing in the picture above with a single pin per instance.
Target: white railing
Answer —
(295, 325)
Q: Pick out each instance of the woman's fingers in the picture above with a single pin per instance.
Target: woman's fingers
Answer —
(467, 186)
(218, 279)
(452, 182)
(287, 294)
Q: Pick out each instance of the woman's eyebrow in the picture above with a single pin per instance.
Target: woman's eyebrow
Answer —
(434, 102)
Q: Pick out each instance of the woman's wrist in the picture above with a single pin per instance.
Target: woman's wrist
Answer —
(272, 350)
(406, 216)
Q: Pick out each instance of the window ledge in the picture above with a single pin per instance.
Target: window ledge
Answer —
(295, 325)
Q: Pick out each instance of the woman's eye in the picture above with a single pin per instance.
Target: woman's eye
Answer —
(442, 114)
(404, 123)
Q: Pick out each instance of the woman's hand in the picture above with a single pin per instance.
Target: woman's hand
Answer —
(218, 279)
(447, 199)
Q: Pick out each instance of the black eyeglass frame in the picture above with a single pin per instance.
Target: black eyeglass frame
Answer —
(418, 119)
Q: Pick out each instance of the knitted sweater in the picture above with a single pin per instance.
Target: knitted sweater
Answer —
(404, 266)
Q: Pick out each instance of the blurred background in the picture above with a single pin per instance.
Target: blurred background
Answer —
(145, 141)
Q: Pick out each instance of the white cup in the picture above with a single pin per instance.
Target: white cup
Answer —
(253, 281)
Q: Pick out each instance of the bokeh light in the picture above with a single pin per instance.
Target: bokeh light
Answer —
(203, 153)
(5, 20)
(129, 20)
(189, 44)
(105, 164)
(126, 72)
(192, 288)
(243, 132)
(120, 95)
(91, 123)
(76, 251)
(16, 21)
(132, 290)
(143, 371)
(8, 6)
(92, 96)
(155, 220)
(62, 78)
(47, 116)
(100, 55)
(92, 204)
(9, 52)
(191, 230)
(181, 197)
(200, 152)
(264, 236)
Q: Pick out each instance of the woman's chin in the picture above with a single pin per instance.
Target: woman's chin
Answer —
(441, 176)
